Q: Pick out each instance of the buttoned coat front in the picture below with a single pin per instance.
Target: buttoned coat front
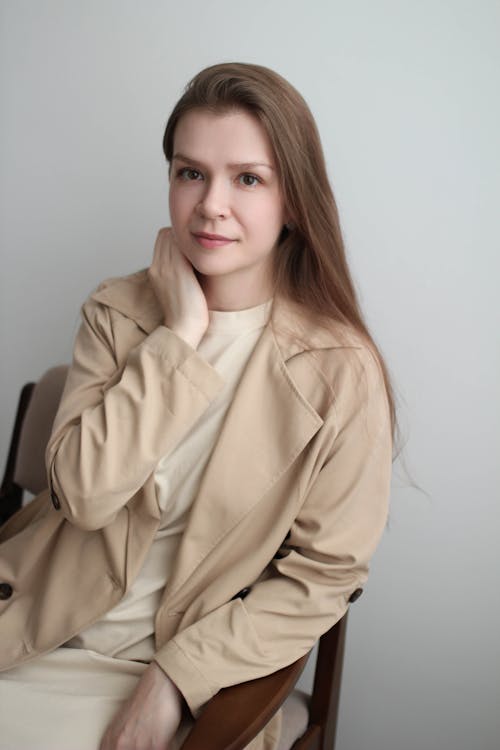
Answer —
(301, 468)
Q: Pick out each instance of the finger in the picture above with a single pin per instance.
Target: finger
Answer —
(156, 251)
(173, 236)
(166, 250)
(161, 239)
(158, 244)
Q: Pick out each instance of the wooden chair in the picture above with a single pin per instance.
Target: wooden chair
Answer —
(309, 722)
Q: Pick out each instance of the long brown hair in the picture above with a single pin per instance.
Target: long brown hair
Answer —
(311, 268)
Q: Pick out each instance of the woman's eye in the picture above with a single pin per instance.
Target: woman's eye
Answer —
(249, 180)
(189, 174)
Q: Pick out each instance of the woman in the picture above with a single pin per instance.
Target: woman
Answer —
(219, 466)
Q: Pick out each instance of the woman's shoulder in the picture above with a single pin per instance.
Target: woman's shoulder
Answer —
(119, 288)
(131, 296)
(345, 360)
(333, 341)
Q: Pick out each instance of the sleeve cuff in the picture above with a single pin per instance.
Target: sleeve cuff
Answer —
(189, 680)
(186, 360)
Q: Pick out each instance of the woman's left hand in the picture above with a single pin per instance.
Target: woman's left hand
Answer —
(151, 716)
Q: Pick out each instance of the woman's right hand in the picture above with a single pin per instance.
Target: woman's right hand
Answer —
(150, 717)
(177, 289)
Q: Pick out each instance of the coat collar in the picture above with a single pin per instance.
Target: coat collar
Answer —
(134, 297)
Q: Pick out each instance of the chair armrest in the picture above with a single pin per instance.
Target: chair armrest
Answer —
(233, 717)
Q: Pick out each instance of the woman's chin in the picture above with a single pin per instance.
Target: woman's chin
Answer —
(207, 267)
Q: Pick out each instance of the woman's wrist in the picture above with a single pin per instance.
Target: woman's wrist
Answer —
(169, 685)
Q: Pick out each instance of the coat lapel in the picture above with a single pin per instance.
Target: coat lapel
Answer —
(267, 425)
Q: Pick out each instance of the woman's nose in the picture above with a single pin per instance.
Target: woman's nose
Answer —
(215, 200)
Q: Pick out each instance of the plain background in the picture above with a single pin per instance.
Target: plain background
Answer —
(406, 99)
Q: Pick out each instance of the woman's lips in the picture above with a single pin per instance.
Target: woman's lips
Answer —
(211, 240)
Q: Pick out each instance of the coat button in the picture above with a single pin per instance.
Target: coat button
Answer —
(5, 590)
(241, 594)
(355, 595)
(55, 500)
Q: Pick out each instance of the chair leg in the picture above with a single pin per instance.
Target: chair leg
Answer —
(320, 734)
(327, 683)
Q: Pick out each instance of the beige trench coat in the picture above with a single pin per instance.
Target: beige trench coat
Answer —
(304, 454)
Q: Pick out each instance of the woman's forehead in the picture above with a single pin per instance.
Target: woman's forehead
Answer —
(237, 138)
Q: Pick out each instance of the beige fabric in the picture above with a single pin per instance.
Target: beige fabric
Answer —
(65, 700)
(72, 693)
(305, 448)
(294, 720)
(127, 630)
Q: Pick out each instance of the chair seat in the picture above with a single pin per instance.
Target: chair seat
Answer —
(295, 717)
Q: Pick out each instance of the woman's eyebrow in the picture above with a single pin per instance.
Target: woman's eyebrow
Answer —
(234, 165)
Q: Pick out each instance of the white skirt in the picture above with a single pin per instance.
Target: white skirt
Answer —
(65, 700)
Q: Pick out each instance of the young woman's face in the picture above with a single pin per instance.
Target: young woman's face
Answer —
(224, 182)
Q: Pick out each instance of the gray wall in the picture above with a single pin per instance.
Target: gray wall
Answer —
(406, 98)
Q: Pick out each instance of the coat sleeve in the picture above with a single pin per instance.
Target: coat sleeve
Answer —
(331, 542)
(107, 439)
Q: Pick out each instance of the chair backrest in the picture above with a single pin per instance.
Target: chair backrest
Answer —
(29, 472)
(25, 468)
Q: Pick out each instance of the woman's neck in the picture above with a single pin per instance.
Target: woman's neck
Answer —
(225, 294)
